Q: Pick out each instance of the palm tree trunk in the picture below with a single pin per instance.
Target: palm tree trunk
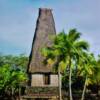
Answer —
(97, 88)
(70, 88)
(59, 82)
(19, 90)
(84, 89)
(12, 93)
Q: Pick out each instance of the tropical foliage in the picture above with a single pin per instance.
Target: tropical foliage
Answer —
(12, 73)
(70, 54)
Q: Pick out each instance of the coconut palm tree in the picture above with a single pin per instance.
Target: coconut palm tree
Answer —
(74, 46)
(54, 56)
(67, 48)
(88, 65)
(96, 76)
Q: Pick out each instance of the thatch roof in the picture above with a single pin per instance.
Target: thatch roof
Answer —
(45, 27)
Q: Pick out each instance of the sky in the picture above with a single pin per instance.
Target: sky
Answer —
(18, 22)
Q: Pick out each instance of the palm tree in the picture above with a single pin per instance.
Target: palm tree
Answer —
(87, 70)
(53, 57)
(96, 76)
(73, 46)
(66, 48)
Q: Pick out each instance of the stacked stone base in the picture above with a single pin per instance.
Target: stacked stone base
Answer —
(40, 93)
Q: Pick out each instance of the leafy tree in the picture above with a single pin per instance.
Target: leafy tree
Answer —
(12, 73)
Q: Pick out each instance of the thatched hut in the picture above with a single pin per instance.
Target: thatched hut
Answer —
(41, 75)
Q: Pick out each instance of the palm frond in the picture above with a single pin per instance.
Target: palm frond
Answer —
(74, 35)
(82, 45)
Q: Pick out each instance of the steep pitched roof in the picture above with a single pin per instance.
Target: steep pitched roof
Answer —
(45, 27)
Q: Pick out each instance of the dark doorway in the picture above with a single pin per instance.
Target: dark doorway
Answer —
(46, 79)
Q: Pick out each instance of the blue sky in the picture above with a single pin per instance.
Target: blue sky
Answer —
(18, 20)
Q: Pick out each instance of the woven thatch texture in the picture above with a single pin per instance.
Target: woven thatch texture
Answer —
(45, 27)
